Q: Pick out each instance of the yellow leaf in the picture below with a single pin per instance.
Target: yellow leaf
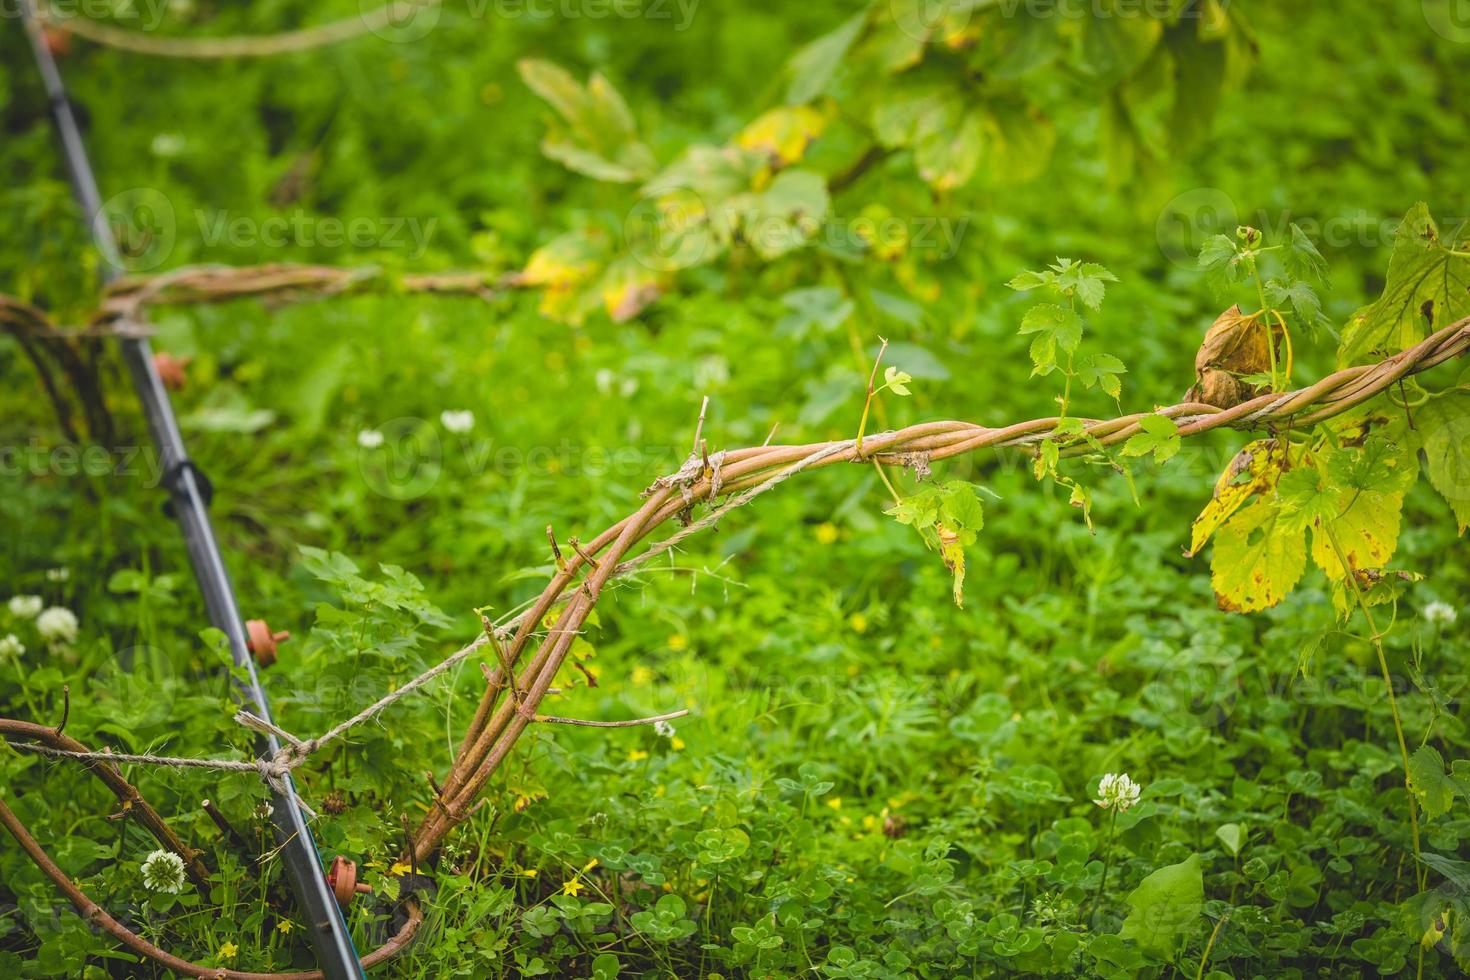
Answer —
(627, 289)
(783, 134)
(565, 261)
(1367, 531)
(1258, 559)
(1252, 470)
(953, 554)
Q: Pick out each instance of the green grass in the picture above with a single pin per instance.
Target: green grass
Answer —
(871, 782)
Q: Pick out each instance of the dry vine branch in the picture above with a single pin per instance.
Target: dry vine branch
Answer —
(239, 46)
(125, 301)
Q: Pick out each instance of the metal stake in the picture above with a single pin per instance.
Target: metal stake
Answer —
(330, 938)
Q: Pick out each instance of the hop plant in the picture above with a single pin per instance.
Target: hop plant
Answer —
(163, 871)
(1116, 791)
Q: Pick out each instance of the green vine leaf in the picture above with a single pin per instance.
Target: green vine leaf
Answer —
(1160, 436)
(597, 136)
(896, 381)
(953, 514)
(1445, 423)
(1302, 259)
(1056, 328)
(1431, 785)
(1101, 371)
(813, 66)
(1428, 286)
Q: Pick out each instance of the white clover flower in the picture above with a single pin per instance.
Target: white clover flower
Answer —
(1438, 613)
(370, 438)
(663, 729)
(57, 625)
(166, 145)
(1117, 791)
(25, 606)
(58, 574)
(163, 871)
(10, 646)
(458, 421)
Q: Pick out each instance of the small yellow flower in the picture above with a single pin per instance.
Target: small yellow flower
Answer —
(590, 865)
(641, 676)
(826, 533)
(285, 926)
(228, 951)
(400, 868)
(835, 803)
(858, 622)
(676, 743)
(573, 888)
(637, 755)
(527, 872)
(678, 642)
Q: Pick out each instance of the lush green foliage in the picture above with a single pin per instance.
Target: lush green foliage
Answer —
(874, 781)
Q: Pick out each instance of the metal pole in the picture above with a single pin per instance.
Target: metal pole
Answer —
(328, 928)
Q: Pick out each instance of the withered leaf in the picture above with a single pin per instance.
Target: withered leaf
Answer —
(1234, 347)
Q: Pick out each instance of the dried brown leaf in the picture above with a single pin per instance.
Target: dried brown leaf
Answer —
(1234, 347)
